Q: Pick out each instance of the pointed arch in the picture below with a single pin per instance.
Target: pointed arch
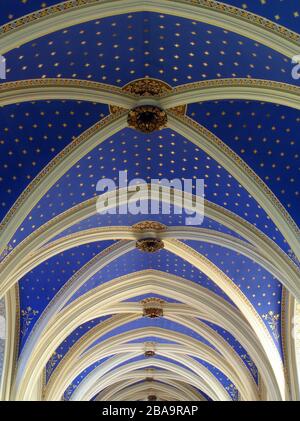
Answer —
(71, 13)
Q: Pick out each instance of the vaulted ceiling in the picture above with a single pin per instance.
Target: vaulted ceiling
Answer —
(79, 295)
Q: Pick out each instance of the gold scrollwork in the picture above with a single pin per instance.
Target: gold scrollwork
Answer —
(149, 245)
(147, 118)
(273, 321)
(27, 316)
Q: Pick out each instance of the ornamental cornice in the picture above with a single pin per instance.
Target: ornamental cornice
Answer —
(229, 10)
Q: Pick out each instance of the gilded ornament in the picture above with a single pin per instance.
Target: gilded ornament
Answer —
(149, 245)
(147, 118)
(149, 354)
(148, 226)
(153, 307)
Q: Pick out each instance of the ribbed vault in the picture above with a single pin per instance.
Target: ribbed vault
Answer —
(146, 304)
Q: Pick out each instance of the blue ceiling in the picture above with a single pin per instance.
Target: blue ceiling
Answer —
(119, 49)
(116, 51)
(283, 12)
(39, 286)
(136, 260)
(76, 382)
(265, 136)
(175, 157)
(14, 9)
(237, 347)
(33, 133)
(225, 381)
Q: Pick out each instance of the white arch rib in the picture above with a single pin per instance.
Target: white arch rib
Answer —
(255, 27)
(135, 376)
(175, 390)
(35, 357)
(126, 233)
(241, 88)
(83, 90)
(232, 368)
(17, 260)
(99, 378)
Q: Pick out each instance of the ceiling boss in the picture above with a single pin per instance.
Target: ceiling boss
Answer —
(147, 118)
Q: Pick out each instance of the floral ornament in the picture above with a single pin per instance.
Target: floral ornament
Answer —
(250, 364)
(5, 252)
(28, 315)
(69, 391)
(294, 258)
(273, 321)
(53, 361)
(233, 392)
(147, 118)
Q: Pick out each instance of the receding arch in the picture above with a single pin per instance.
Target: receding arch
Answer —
(135, 376)
(42, 254)
(112, 392)
(99, 378)
(233, 292)
(267, 247)
(185, 345)
(176, 391)
(88, 308)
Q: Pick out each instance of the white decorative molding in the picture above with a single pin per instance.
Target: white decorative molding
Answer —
(229, 363)
(231, 89)
(106, 374)
(136, 376)
(69, 89)
(14, 266)
(100, 302)
(54, 18)
(11, 342)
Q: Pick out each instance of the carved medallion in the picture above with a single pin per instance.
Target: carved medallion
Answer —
(149, 354)
(153, 307)
(149, 245)
(147, 118)
(148, 226)
(147, 88)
